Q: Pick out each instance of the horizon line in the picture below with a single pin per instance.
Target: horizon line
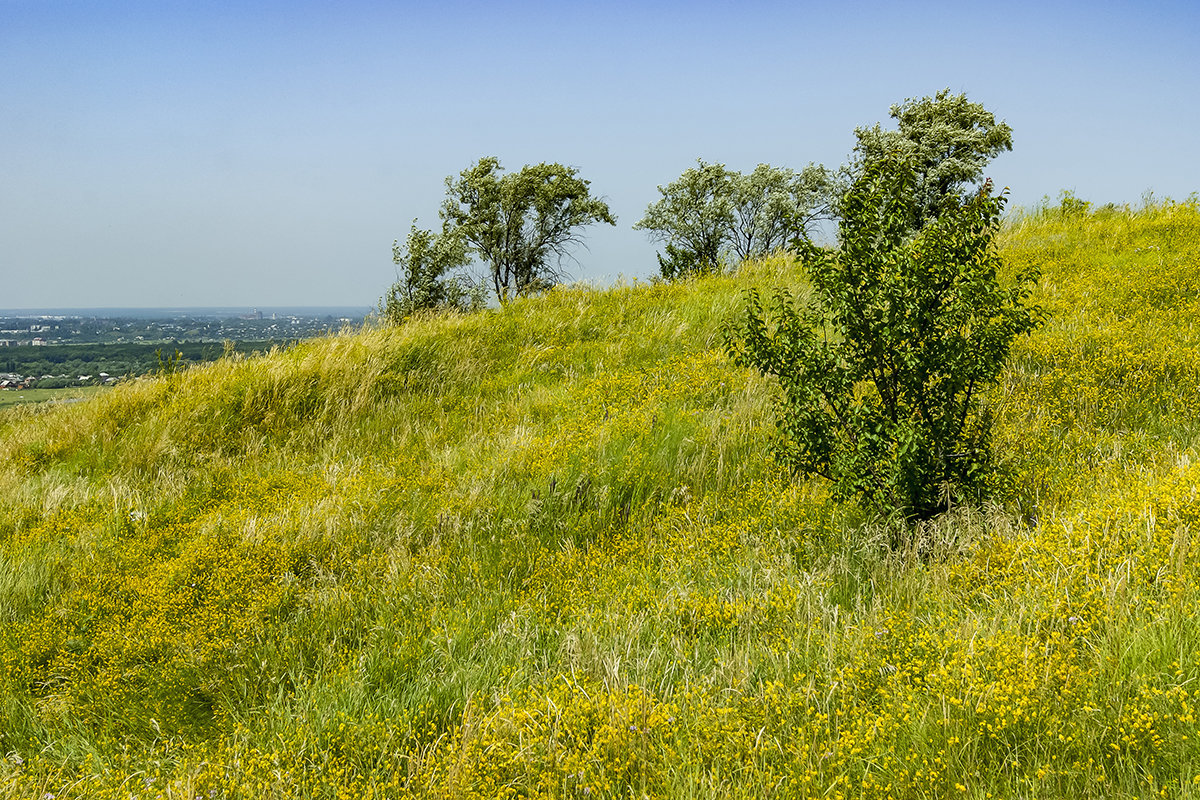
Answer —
(182, 309)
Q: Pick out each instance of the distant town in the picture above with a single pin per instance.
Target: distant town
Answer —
(119, 326)
(55, 349)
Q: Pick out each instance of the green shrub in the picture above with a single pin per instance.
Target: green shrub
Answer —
(422, 283)
(883, 369)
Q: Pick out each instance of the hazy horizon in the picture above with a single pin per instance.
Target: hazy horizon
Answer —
(200, 155)
(154, 311)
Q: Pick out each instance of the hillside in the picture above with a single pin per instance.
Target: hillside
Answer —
(543, 551)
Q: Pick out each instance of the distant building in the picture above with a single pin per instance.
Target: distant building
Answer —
(38, 342)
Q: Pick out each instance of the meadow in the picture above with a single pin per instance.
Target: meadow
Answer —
(543, 551)
(16, 397)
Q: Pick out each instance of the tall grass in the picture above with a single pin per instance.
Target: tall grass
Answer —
(542, 550)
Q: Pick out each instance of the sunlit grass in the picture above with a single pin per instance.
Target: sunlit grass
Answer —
(543, 551)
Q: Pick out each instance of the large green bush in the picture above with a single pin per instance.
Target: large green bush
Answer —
(883, 368)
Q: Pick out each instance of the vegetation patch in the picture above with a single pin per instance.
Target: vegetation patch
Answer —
(544, 550)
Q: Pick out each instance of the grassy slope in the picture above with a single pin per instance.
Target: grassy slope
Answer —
(542, 551)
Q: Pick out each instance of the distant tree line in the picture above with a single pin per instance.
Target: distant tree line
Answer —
(65, 363)
(712, 217)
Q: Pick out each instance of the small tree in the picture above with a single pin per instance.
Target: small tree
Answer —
(693, 218)
(423, 283)
(711, 214)
(882, 370)
(772, 206)
(522, 224)
(946, 138)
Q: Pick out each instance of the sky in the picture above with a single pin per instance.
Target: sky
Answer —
(185, 154)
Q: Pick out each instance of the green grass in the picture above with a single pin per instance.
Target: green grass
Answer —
(542, 551)
(24, 396)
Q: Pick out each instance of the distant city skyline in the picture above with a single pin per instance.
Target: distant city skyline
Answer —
(266, 154)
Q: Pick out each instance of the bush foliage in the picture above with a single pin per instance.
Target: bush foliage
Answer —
(884, 368)
(426, 279)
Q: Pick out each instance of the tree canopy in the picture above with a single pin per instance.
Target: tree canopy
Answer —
(773, 205)
(948, 141)
(710, 214)
(522, 224)
(693, 218)
(423, 282)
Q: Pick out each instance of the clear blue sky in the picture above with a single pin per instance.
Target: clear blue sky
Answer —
(199, 153)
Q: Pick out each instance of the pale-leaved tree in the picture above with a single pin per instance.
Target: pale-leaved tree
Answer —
(711, 216)
(773, 205)
(693, 218)
(946, 139)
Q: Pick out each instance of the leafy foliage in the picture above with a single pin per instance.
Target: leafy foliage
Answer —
(680, 262)
(1068, 203)
(948, 140)
(773, 205)
(522, 224)
(423, 284)
(882, 372)
(711, 214)
(693, 217)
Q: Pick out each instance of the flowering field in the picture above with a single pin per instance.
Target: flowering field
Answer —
(542, 551)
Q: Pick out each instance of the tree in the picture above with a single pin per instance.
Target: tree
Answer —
(711, 214)
(694, 218)
(522, 224)
(947, 139)
(772, 206)
(882, 371)
(422, 283)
